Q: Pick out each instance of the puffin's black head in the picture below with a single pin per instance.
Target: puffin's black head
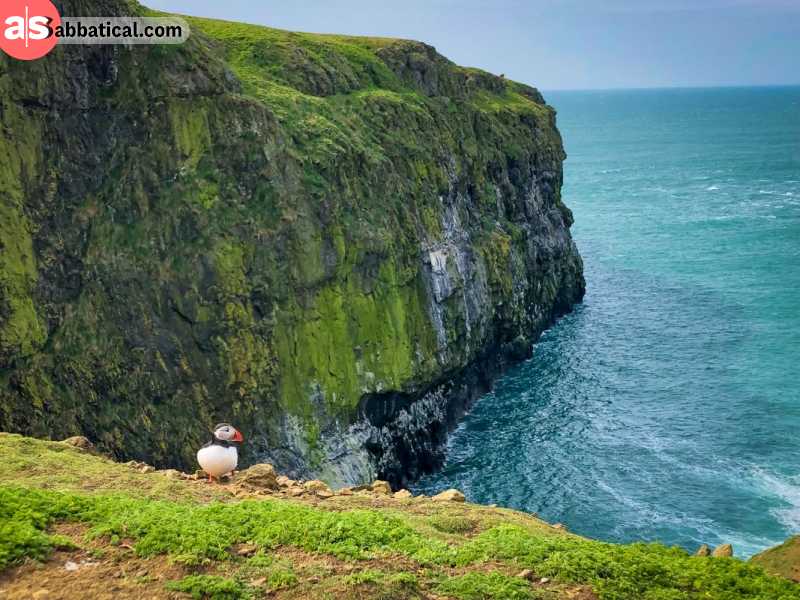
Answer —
(227, 433)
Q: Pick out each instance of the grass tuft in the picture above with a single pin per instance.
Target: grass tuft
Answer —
(210, 587)
(454, 524)
(480, 586)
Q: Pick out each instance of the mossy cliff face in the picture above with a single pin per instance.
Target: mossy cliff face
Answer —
(334, 243)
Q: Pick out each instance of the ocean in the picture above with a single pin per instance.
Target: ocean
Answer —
(666, 407)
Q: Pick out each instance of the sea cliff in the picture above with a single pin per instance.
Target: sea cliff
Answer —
(333, 242)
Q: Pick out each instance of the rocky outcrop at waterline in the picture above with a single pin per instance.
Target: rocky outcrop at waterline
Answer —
(334, 242)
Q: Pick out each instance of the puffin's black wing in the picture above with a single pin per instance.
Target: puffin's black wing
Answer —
(215, 442)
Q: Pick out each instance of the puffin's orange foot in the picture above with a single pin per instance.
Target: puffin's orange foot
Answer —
(211, 479)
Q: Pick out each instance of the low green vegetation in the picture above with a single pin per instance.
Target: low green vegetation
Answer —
(450, 557)
(211, 587)
(375, 583)
(480, 586)
(195, 533)
(453, 524)
(55, 465)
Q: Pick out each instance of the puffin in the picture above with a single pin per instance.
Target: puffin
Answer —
(219, 456)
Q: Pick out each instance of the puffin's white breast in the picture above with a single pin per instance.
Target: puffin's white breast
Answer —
(217, 460)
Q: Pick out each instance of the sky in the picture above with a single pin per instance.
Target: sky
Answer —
(562, 44)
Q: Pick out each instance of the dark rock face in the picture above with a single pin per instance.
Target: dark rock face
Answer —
(334, 243)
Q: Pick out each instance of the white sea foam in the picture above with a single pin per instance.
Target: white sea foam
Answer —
(643, 517)
(712, 188)
(787, 489)
(790, 517)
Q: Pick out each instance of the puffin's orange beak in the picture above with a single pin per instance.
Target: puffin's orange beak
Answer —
(237, 437)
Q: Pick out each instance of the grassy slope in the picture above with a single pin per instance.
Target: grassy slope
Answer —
(783, 560)
(346, 546)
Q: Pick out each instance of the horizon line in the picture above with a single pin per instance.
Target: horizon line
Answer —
(671, 87)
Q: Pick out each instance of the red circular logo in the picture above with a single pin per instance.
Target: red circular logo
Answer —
(27, 28)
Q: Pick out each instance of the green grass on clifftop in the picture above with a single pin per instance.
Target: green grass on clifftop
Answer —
(403, 548)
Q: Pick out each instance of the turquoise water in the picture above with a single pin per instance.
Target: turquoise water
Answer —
(667, 406)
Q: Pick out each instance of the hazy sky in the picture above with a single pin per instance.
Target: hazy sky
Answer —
(563, 44)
